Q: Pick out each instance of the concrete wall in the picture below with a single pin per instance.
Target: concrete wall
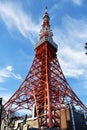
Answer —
(79, 121)
(32, 123)
(65, 119)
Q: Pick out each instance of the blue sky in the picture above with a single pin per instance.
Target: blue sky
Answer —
(20, 23)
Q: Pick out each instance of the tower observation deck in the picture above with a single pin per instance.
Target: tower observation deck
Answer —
(45, 84)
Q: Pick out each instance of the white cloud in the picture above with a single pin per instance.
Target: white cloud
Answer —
(85, 84)
(3, 89)
(1, 79)
(78, 2)
(5, 97)
(72, 36)
(73, 62)
(7, 72)
(72, 32)
(15, 19)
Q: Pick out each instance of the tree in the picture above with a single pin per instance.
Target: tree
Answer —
(86, 48)
(0, 110)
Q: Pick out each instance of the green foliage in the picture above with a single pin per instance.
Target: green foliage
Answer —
(85, 47)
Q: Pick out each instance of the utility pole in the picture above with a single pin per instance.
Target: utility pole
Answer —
(86, 48)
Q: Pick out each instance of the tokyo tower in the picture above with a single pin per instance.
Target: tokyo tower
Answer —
(45, 84)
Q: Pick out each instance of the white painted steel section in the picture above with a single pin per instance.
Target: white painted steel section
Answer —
(33, 111)
(48, 39)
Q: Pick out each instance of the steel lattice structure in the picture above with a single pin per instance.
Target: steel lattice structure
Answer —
(45, 85)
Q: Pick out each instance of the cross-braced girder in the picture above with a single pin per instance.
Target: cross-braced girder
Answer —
(45, 85)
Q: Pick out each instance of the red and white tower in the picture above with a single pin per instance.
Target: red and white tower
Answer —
(45, 85)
